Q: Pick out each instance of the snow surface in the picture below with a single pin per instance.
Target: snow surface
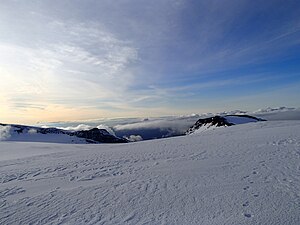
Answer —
(205, 127)
(247, 174)
(239, 120)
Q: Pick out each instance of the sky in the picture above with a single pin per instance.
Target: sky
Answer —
(79, 60)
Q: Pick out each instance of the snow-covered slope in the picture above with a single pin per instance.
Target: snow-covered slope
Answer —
(246, 174)
(10, 132)
(220, 121)
(241, 119)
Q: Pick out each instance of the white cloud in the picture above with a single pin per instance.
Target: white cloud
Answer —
(168, 125)
(32, 131)
(4, 133)
(77, 128)
(80, 67)
(278, 113)
(133, 138)
(275, 109)
(102, 126)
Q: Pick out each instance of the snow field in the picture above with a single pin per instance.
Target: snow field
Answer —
(244, 174)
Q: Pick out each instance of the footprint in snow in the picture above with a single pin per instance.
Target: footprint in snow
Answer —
(245, 204)
(248, 215)
(245, 177)
(246, 188)
(129, 217)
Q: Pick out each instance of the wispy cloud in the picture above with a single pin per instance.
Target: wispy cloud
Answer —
(57, 72)
(108, 59)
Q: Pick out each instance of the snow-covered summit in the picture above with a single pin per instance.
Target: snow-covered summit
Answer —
(221, 121)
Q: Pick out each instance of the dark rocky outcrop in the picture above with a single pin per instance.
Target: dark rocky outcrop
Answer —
(222, 121)
(217, 121)
(99, 135)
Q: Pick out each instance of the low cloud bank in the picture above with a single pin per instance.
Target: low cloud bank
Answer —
(4, 133)
(279, 113)
(32, 131)
(153, 128)
(137, 129)
(77, 128)
(133, 138)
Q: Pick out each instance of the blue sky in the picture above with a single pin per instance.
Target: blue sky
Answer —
(76, 60)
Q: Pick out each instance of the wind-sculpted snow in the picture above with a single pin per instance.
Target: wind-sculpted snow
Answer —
(246, 174)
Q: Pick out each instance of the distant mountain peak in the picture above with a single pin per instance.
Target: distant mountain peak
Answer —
(220, 121)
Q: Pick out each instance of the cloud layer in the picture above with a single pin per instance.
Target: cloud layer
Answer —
(137, 129)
